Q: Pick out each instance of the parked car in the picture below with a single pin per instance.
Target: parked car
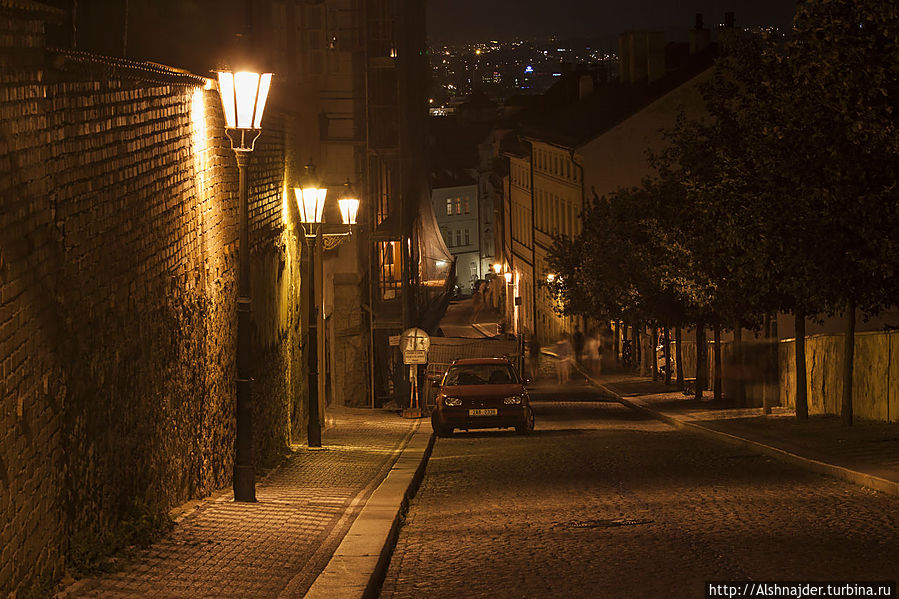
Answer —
(481, 393)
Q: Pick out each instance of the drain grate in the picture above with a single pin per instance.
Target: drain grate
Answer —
(604, 523)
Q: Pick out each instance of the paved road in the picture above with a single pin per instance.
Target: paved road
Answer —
(603, 502)
(459, 318)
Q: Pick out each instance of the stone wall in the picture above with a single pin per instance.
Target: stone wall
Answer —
(768, 373)
(349, 344)
(118, 256)
(875, 380)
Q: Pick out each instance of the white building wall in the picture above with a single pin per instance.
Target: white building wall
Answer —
(457, 211)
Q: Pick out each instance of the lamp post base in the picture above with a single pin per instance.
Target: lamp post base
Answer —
(244, 484)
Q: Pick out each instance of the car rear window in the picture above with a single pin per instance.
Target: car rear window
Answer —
(481, 374)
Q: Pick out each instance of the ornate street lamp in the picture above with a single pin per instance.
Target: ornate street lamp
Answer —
(243, 97)
(311, 198)
(311, 202)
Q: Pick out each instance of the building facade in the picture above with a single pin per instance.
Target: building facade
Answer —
(521, 243)
(456, 208)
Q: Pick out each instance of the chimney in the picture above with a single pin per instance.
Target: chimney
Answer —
(641, 56)
(655, 55)
(625, 58)
(585, 86)
(727, 32)
(700, 37)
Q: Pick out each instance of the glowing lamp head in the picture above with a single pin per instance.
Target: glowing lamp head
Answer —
(497, 268)
(550, 277)
(508, 277)
(311, 202)
(349, 208)
(310, 197)
(243, 98)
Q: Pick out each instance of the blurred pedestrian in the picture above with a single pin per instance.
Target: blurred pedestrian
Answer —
(593, 353)
(564, 353)
(577, 343)
(477, 303)
(533, 356)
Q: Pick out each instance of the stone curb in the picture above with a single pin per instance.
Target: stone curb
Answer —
(358, 566)
(852, 476)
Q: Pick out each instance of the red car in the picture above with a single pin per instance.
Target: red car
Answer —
(481, 393)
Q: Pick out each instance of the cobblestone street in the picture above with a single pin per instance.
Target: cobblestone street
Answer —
(603, 501)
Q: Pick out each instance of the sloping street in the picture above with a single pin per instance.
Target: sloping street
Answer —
(602, 501)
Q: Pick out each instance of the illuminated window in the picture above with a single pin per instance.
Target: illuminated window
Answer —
(458, 204)
(389, 283)
(449, 206)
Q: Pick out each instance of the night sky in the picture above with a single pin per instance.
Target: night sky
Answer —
(477, 20)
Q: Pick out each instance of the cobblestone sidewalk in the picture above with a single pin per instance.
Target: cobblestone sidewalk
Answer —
(277, 546)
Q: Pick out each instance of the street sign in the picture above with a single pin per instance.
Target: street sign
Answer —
(415, 356)
(415, 339)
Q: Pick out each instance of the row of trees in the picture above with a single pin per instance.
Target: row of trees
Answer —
(783, 198)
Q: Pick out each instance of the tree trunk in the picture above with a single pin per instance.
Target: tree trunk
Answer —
(616, 342)
(667, 342)
(635, 346)
(801, 399)
(701, 368)
(654, 361)
(848, 364)
(738, 381)
(678, 358)
(717, 383)
(766, 378)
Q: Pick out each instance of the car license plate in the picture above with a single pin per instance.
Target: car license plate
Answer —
(483, 412)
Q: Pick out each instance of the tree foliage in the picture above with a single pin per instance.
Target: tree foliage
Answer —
(783, 197)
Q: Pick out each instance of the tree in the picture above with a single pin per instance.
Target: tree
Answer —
(844, 60)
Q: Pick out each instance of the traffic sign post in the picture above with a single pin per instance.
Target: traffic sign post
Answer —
(414, 343)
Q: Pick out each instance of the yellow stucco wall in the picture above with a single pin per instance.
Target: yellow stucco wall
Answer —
(875, 377)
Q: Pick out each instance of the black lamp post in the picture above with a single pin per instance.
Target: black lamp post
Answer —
(311, 203)
(243, 101)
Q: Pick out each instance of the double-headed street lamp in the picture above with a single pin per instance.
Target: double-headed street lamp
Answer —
(311, 198)
(243, 97)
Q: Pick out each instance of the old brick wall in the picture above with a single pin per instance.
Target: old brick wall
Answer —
(118, 256)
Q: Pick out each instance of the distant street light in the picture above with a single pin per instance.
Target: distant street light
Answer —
(508, 277)
(311, 198)
(243, 97)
